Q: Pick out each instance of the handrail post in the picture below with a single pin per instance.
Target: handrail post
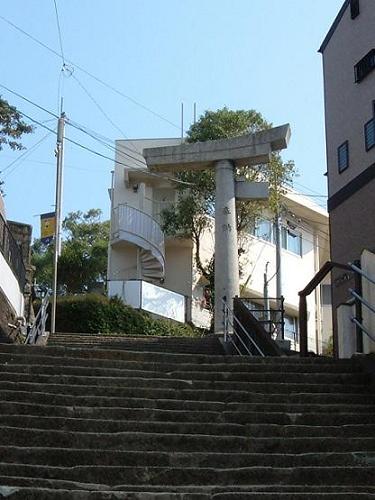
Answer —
(358, 307)
(282, 299)
(303, 325)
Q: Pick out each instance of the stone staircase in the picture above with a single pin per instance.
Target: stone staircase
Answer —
(208, 345)
(83, 423)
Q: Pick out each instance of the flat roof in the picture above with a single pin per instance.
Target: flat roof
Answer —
(334, 26)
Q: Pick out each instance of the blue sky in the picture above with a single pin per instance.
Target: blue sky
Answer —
(259, 54)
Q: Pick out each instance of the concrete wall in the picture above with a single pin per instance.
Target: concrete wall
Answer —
(10, 287)
(348, 105)
(178, 269)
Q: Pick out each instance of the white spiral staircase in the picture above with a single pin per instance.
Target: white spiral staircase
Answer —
(140, 229)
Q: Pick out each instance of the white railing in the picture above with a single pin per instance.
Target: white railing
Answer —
(237, 335)
(133, 225)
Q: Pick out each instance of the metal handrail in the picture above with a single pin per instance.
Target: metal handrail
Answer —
(361, 301)
(228, 312)
(356, 322)
(39, 326)
(362, 273)
(278, 324)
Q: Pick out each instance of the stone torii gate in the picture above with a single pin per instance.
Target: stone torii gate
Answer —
(224, 155)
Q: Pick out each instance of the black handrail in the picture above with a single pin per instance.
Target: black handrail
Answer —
(309, 288)
(12, 252)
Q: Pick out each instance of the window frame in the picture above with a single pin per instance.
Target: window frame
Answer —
(285, 232)
(346, 145)
(367, 124)
(354, 9)
(365, 66)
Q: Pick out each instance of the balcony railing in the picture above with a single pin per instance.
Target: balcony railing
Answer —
(133, 225)
(12, 252)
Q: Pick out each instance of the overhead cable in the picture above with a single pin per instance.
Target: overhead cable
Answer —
(91, 75)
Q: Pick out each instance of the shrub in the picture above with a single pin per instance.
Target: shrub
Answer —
(92, 313)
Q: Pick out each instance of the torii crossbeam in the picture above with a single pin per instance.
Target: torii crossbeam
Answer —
(224, 155)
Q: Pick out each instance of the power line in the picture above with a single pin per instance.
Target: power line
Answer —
(59, 32)
(93, 136)
(28, 100)
(91, 75)
(101, 109)
(23, 157)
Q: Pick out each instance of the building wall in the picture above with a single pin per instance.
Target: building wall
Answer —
(348, 105)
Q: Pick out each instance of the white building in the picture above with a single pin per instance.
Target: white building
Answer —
(159, 274)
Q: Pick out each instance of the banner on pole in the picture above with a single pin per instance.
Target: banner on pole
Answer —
(47, 227)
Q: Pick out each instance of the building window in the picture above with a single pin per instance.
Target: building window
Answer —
(291, 328)
(370, 134)
(354, 8)
(343, 156)
(365, 66)
(264, 230)
(292, 241)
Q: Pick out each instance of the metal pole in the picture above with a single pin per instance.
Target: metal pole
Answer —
(279, 291)
(195, 112)
(182, 122)
(59, 190)
(266, 298)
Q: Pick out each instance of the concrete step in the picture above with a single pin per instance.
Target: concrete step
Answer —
(64, 457)
(290, 404)
(168, 381)
(216, 429)
(13, 370)
(205, 345)
(184, 476)
(147, 441)
(68, 360)
(321, 417)
(150, 357)
(299, 396)
(44, 491)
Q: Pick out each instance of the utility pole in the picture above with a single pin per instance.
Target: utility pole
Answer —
(279, 291)
(59, 189)
(182, 122)
(266, 298)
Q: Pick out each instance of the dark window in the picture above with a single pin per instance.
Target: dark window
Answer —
(365, 66)
(343, 156)
(354, 8)
(370, 134)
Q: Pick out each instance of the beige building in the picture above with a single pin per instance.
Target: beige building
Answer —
(158, 273)
(349, 89)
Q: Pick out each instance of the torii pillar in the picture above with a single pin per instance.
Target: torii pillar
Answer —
(224, 155)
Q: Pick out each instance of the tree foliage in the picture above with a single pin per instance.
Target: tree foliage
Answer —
(12, 127)
(190, 218)
(83, 260)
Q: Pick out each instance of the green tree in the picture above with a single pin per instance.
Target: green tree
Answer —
(12, 128)
(190, 217)
(83, 260)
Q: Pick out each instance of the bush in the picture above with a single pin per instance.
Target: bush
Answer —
(92, 313)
